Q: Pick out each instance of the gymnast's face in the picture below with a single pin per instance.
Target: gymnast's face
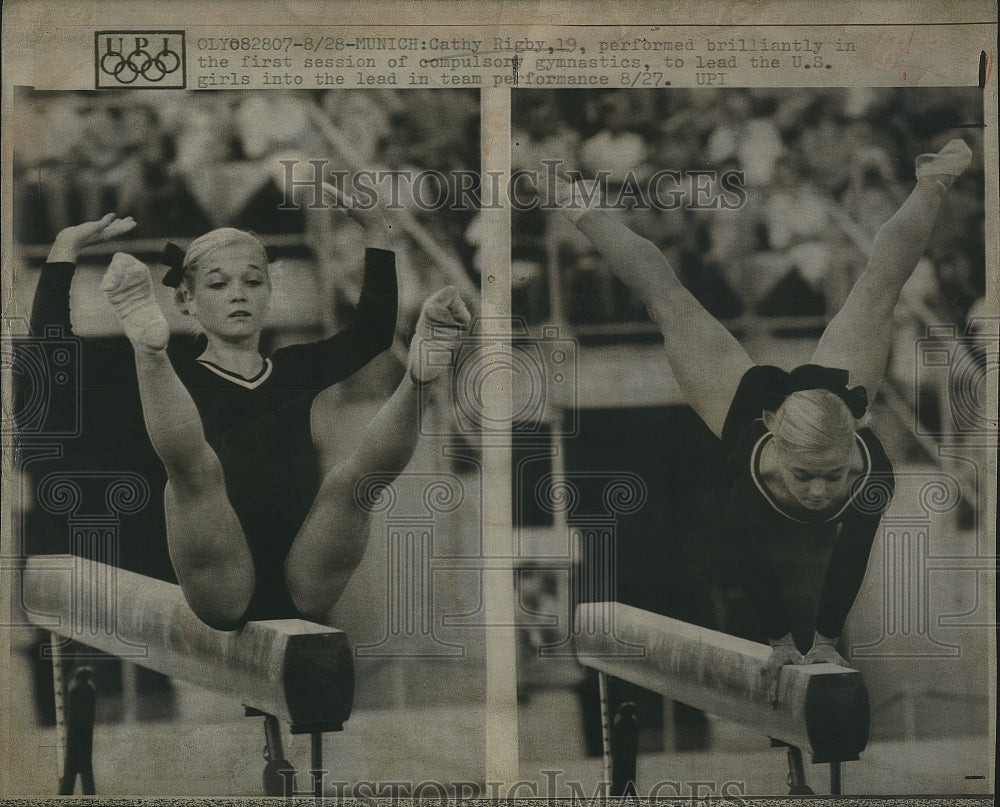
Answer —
(230, 293)
(815, 479)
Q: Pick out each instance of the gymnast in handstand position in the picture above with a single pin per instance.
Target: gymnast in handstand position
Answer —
(255, 530)
(800, 458)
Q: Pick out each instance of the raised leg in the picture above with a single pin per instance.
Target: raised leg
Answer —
(334, 535)
(206, 542)
(859, 336)
(706, 359)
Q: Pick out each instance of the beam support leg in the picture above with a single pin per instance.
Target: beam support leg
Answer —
(619, 742)
(316, 762)
(602, 686)
(797, 774)
(624, 750)
(79, 709)
(835, 784)
(279, 775)
(59, 695)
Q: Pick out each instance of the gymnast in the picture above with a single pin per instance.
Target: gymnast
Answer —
(255, 530)
(801, 461)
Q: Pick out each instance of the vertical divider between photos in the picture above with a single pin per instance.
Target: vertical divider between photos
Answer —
(498, 582)
(991, 167)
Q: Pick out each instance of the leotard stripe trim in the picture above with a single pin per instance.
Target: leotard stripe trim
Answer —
(857, 486)
(236, 378)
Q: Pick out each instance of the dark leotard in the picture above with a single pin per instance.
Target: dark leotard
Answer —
(836, 546)
(259, 427)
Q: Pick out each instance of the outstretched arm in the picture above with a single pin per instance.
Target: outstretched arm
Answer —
(373, 326)
(762, 587)
(50, 306)
(844, 576)
(50, 309)
(371, 331)
(706, 359)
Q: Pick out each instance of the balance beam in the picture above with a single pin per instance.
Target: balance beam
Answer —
(298, 671)
(821, 708)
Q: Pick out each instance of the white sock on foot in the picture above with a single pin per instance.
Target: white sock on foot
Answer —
(439, 329)
(129, 289)
(947, 164)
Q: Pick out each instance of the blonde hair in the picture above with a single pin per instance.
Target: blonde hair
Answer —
(814, 420)
(205, 245)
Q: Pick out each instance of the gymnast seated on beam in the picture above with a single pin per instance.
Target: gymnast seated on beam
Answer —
(254, 529)
(802, 461)
(295, 670)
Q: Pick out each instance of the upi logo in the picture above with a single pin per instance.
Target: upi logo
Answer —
(149, 60)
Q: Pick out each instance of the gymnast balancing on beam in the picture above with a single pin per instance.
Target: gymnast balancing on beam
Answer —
(254, 529)
(801, 461)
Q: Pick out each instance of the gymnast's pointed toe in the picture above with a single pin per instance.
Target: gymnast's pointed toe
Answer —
(129, 288)
(948, 163)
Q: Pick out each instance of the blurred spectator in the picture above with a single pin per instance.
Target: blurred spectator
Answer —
(109, 167)
(45, 159)
(540, 134)
(870, 199)
(823, 146)
(797, 222)
(275, 127)
(362, 117)
(748, 137)
(616, 148)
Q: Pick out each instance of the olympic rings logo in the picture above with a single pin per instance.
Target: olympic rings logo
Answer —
(145, 60)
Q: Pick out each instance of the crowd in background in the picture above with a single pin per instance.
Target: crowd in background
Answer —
(157, 156)
(823, 170)
(184, 163)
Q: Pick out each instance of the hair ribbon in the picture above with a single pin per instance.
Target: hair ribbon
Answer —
(815, 376)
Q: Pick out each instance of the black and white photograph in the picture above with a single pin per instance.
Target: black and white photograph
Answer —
(443, 403)
(232, 305)
(759, 468)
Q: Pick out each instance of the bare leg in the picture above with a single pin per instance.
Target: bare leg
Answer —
(706, 359)
(859, 336)
(206, 542)
(334, 535)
